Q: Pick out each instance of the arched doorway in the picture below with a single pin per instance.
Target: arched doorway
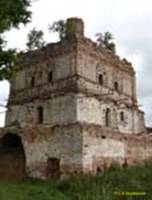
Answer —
(12, 158)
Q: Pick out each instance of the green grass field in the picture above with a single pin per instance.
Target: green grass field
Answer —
(102, 187)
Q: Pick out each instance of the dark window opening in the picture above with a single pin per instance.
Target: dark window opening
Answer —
(122, 116)
(40, 114)
(99, 171)
(32, 81)
(103, 137)
(53, 168)
(100, 79)
(116, 85)
(50, 77)
(107, 117)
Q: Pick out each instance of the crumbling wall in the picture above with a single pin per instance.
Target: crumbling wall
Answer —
(70, 149)
(40, 144)
(104, 146)
(115, 91)
(60, 60)
(91, 63)
(63, 143)
(99, 150)
(91, 109)
(60, 110)
(99, 153)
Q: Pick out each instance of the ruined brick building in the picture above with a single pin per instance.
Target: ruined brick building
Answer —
(72, 109)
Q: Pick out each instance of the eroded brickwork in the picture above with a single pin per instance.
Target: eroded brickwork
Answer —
(104, 146)
(40, 144)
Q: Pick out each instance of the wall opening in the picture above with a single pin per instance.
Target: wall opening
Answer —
(40, 115)
(103, 137)
(122, 116)
(107, 117)
(98, 171)
(12, 158)
(116, 86)
(53, 168)
(50, 77)
(100, 79)
(32, 81)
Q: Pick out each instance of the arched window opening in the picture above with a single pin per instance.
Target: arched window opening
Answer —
(50, 77)
(40, 115)
(100, 79)
(122, 116)
(116, 86)
(107, 117)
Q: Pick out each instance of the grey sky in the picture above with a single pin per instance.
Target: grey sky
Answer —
(130, 21)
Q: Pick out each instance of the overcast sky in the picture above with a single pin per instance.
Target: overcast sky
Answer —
(130, 21)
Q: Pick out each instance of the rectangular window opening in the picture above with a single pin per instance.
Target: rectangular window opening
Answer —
(40, 115)
(50, 77)
(100, 79)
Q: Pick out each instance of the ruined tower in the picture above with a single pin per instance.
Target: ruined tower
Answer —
(70, 103)
(75, 82)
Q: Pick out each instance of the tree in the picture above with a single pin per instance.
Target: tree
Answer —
(35, 39)
(100, 40)
(106, 41)
(59, 27)
(63, 28)
(12, 14)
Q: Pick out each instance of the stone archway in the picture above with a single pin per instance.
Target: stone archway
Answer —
(12, 158)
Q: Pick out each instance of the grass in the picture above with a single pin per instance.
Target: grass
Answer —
(101, 187)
